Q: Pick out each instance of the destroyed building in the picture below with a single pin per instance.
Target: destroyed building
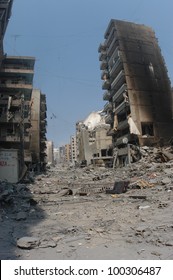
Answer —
(22, 109)
(137, 89)
(73, 146)
(38, 129)
(16, 77)
(5, 13)
(67, 153)
(92, 140)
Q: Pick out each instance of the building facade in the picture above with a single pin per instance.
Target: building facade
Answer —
(5, 13)
(16, 78)
(38, 128)
(22, 111)
(67, 153)
(93, 143)
(73, 146)
(136, 87)
(50, 152)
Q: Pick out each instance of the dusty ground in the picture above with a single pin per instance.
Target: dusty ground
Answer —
(87, 223)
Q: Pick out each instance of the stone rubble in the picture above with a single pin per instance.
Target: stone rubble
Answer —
(68, 213)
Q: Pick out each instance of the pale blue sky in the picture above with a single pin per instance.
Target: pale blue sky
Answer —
(64, 37)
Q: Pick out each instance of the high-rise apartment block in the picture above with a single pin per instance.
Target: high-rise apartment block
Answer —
(137, 87)
(38, 128)
(73, 146)
(5, 13)
(16, 77)
(22, 111)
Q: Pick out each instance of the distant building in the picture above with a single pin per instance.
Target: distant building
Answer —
(49, 152)
(73, 149)
(67, 153)
(137, 88)
(56, 152)
(92, 140)
(62, 154)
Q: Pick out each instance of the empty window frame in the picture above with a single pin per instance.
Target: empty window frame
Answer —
(147, 129)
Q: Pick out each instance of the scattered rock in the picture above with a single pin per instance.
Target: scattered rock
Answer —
(155, 253)
(28, 242)
(144, 207)
(45, 243)
(59, 251)
(65, 192)
(169, 243)
(166, 181)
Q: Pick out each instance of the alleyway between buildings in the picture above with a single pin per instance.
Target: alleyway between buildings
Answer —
(74, 213)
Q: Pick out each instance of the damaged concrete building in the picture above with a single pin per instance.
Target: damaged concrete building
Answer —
(94, 145)
(16, 76)
(22, 111)
(5, 13)
(137, 89)
(38, 129)
(73, 145)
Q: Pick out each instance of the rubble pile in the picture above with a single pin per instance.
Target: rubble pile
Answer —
(74, 213)
(15, 196)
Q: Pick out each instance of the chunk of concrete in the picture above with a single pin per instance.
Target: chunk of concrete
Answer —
(28, 242)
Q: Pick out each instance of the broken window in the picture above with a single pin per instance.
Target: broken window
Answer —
(10, 131)
(103, 153)
(147, 129)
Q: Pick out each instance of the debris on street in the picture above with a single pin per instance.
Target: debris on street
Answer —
(66, 214)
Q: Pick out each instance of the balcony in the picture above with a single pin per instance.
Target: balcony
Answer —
(13, 138)
(108, 119)
(120, 140)
(103, 55)
(116, 68)
(15, 103)
(106, 95)
(121, 107)
(102, 47)
(107, 106)
(43, 123)
(10, 69)
(122, 125)
(4, 4)
(12, 85)
(17, 120)
(116, 54)
(104, 65)
(118, 94)
(106, 84)
(119, 78)
(104, 75)
(112, 46)
(43, 115)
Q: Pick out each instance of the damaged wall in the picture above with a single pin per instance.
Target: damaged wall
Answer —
(92, 139)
